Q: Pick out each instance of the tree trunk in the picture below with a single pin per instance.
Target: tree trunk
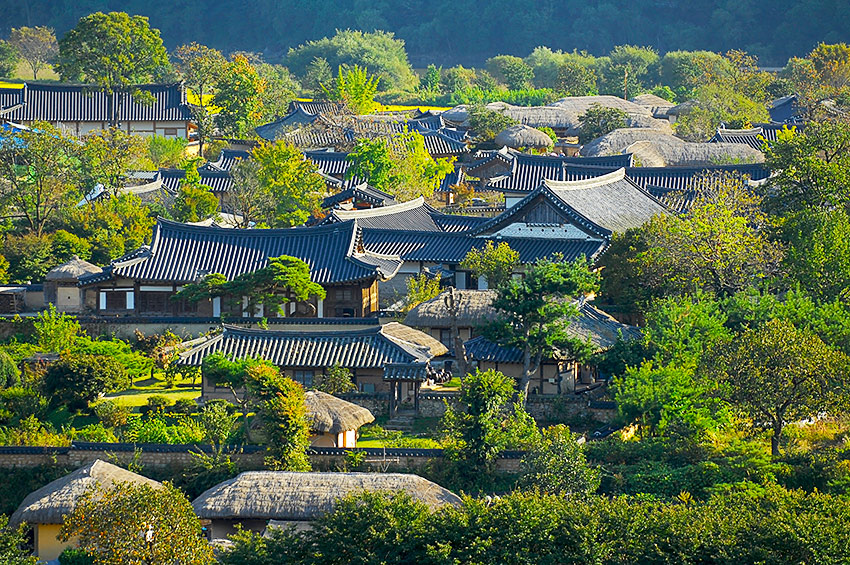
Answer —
(522, 393)
(774, 440)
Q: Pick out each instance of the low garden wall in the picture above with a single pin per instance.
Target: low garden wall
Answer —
(175, 457)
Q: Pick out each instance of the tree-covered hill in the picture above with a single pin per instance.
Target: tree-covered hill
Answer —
(470, 31)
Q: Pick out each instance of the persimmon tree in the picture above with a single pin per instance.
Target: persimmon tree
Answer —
(137, 524)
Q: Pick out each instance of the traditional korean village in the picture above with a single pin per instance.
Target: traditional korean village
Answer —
(324, 282)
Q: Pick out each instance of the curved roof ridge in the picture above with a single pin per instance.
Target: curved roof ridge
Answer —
(239, 330)
(746, 131)
(607, 178)
(298, 230)
(382, 211)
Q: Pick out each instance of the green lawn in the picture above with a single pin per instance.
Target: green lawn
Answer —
(139, 397)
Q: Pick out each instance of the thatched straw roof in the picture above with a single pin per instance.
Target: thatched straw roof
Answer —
(334, 415)
(72, 270)
(410, 335)
(656, 105)
(521, 135)
(280, 495)
(563, 115)
(674, 151)
(50, 503)
(474, 310)
(647, 154)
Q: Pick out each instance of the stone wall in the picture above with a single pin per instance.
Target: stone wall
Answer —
(176, 457)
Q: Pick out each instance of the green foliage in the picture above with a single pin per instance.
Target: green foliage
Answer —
(337, 380)
(114, 225)
(776, 374)
(64, 245)
(482, 424)
(400, 166)
(318, 73)
(40, 169)
(106, 156)
(575, 79)
(717, 104)
(31, 432)
(684, 71)
(354, 88)
(280, 405)
(112, 414)
(35, 45)
(496, 263)
(9, 58)
(19, 403)
(195, 201)
(73, 556)
(292, 182)
(812, 169)
(534, 313)
(420, 288)
(112, 524)
(76, 380)
(627, 71)
(10, 375)
(29, 257)
(486, 123)
(113, 51)
(720, 245)
(512, 71)
(201, 68)
(166, 152)
(239, 95)
(55, 332)
(379, 52)
(598, 120)
(12, 542)
(557, 465)
(154, 427)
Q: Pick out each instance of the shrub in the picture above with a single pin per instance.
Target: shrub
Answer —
(19, 403)
(10, 375)
(156, 403)
(94, 432)
(184, 406)
(74, 556)
(112, 414)
(137, 365)
(76, 380)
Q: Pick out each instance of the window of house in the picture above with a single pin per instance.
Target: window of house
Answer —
(343, 294)
(169, 131)
(116, 299)
(154, 302)
(304, 377)
(367, 387)
(446, 338)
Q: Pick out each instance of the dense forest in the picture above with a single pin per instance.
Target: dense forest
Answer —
(467, 31)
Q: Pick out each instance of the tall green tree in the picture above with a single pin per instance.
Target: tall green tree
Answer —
(114, 51)
(106, 157)
(534, 313)
(354, 88)
(399, 165)
(239, 95)
(8, 59)
(35, 45)
(628, 70)
(776, 374)
(195, 201)
(720, 245)
(137, 524)
(557, 465)
(12, 544)
(291, 180)
(201, 68)
(280, 405)
(40, 172)
(598, 120)
(249, 199)
(512, 71)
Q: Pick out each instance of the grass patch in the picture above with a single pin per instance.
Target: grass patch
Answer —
(134, 398)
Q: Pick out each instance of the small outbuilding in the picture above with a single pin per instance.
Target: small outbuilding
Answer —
(60, 284)
(334, 421)
(255, 498)
(46, 508)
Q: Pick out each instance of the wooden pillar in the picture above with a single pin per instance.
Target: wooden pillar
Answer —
(392, 399)
(416, 386)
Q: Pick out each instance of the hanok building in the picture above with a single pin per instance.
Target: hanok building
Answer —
(81, 109)
(555, 376)
(261, 499)
(144, 282)
(386, 358)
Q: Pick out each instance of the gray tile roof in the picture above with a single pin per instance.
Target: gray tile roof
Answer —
(600, 205)
(413, 215)
(359, 193)
(678, 178)
(754, 137)
(436, 247)
(528, 170)
(369, 348)
(71, 103)
(182, 253)
(217, 180)
(226, 160)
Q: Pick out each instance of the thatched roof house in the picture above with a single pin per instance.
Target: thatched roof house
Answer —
(46, 508)
(656, 105)
(521, 135)
(71, 270)
(254, 498)
(675, 152)
(474, 309)
(334, 421)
